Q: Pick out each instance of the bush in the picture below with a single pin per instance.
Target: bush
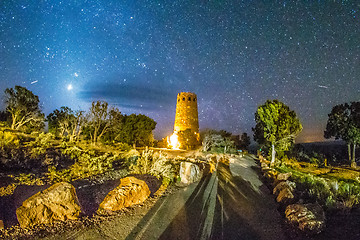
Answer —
(28, 179)
(327, 192)
(87, 163)
(8, 140)
(123, 146)
(40, 144)
(348, 194)
(152, 163)
(43, 140)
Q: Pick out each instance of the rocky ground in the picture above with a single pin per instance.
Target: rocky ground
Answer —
(232, 203)
(72, 229)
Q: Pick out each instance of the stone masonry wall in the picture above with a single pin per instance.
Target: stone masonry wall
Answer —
(186, 112)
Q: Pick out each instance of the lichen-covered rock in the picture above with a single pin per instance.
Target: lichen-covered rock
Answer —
(131, 191)
(309, 218)
(285, 196)
(56, 203)
(283, 176)
(284, 184)
(189, 173)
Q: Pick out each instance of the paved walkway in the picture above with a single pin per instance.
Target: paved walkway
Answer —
(229, 204)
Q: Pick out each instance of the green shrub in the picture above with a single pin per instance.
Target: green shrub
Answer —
(87, 163)
(123, 146)
(28, 179)
(8, 139)
(43, 140)
(152, 163)
(348, 194)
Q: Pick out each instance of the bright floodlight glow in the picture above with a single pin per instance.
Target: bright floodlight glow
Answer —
(69, 87)
(174, 141)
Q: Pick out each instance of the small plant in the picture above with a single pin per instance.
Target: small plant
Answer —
(28, 179)
(8, 190)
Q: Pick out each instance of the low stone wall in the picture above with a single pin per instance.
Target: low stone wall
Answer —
(308, 217)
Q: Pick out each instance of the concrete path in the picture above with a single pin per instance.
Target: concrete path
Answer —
(230, 204)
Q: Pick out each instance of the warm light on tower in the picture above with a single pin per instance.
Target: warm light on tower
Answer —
(174, 141)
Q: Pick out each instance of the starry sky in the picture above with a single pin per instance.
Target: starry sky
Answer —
(137, 55)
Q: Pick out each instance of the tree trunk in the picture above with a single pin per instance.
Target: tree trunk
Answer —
(349, 152)
(272, 155)
(353, 162)
(13, 124)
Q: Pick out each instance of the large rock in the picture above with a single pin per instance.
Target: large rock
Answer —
(282, 185)
(1, 225)
(283, 176)
(131, 191)
(309, 218)
(56, 203)
(285, 196)
(189, 173)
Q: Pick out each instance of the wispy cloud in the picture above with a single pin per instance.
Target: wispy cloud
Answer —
(128, 96)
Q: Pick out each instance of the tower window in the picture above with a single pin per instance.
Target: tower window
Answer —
(194, 99)
(189, 98)
(178, 99)
(183, 99)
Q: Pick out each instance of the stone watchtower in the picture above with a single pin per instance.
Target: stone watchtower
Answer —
(186, 116)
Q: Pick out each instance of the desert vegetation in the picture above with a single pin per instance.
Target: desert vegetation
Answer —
(78, 144)
(318, 176)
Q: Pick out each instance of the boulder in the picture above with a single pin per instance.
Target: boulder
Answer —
(282, 185)
(309, 218)
(56, 203)
(1, 225)
(189, 173)
(283, 176)
(285, 196)
(131, 191)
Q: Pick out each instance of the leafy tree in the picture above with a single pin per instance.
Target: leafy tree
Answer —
(23, 107)
(98, 121)
(217, 141)
(66, 123)
(116, 124)
(188, 139)
(59, 121)
(344, 123)
(137, 129)
(244, 141)
(276, 125)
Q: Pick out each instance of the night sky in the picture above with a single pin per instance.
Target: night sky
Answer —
(138, 55)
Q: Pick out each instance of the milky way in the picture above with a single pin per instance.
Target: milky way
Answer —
(138, 55)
